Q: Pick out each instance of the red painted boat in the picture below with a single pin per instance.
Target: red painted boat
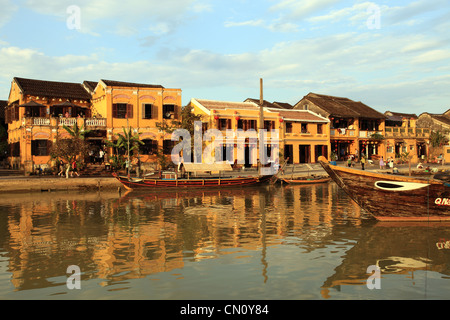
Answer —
(390, 197)
(132, 183)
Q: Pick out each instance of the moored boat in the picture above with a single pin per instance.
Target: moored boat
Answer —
(391, 197)
(211, 176)
(132, 183)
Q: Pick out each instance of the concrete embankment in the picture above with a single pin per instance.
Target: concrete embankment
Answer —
(49, 184)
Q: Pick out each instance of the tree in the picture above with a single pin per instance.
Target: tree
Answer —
(188, 118)
(67, 149)
(128, 142)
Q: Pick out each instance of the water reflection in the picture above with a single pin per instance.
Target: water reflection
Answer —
(268, 234)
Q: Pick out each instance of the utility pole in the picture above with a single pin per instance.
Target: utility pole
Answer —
(261, 127)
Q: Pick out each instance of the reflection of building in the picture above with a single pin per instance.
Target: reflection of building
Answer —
(302, 134)
(355, 127)
(403, 136)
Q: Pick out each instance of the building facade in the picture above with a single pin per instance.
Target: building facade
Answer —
(37, 110)
(355, 128)
(300, 136)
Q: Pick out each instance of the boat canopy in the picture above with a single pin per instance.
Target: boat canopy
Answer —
(206, 167)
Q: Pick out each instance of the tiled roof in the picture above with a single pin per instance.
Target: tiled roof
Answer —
(113, 83)
(299, 115)
(343, 107)
(283, 105)
(442, 118)
(295, 115)
(216, 105)
(90, 85)
(402, 115)
(54, 89)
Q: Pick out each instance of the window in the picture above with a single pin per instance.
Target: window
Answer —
(40, 147)
(122, 110)
(148, 111)
(169, 111)
(168, 146)
(319, 128)
(224, 124)
(304, 128)
(269, 125)
(288, 127)
(149, 147)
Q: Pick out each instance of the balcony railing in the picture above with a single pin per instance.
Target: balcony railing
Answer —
(41, 121)
(343, 132)
(398, 132)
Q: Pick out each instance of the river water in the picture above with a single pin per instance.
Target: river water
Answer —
(269, 242)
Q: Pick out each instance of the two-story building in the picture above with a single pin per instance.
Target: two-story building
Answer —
(300, 135)
(37, 110)
(139, 107)
(36, 113)
(404, 137)
(355, 128)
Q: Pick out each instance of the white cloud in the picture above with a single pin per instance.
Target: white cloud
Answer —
(301, 9)
(274, 26)
(8, 8)
(98, 16)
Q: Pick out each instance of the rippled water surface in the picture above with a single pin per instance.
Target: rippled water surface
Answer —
(272, 242)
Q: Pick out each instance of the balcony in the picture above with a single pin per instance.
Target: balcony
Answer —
(69, 122)
(343, 133)
(399, 132)
(369, 133)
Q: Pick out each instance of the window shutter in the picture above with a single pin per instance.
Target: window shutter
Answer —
(114, 110)
(49, 147)
(143, 111)
(154, 112)
(129, 111)
(16, 113)
(228, 123)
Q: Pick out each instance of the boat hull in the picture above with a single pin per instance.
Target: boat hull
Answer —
(305, 181)
(161, 184)
(393, 197)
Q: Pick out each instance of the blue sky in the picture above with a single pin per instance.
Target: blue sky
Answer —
(391, 55)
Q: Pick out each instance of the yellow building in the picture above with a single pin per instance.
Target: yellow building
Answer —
(300, 135)
(38, 109)
(141, 107)
(36, 113)
(404, 137)
(356, 129)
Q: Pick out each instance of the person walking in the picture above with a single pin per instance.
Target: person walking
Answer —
(381, 163)
(74, 168)
(363, 162)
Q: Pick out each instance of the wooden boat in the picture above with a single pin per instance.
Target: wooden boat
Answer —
(390, 197)
(307, 180)
(132, 183)
(172, 179)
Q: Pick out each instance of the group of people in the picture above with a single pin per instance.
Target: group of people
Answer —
(65, 169)
(363, 161)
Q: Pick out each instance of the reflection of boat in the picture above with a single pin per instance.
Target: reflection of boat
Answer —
(400, 249)
(393, 197)
(307, 180)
